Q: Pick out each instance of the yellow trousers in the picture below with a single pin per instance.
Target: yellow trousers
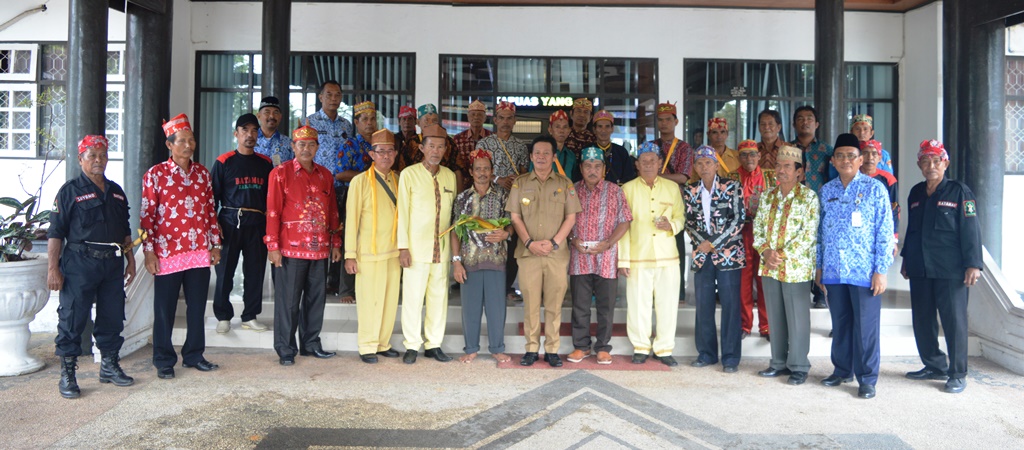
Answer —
(659, 285)
(424, 284)
(543, 281)
(377, 285)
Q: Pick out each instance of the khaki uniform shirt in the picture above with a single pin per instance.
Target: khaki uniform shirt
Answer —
(543, 206)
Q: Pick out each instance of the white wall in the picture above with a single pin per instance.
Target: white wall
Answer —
(51, 25)
(920, 92)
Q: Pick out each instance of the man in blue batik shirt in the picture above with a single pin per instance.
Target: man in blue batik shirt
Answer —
(332, 129)
(269, 142)
(855, 250)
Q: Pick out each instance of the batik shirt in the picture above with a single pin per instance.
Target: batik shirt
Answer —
(604, 208)
(855, 238)
(884, 163)
(465, 143)
(478, 254)
(681, 160)
(410, 154)
(788, 224)
(816, 163)
(769, 155)
(726, 223)
(514, 162)
(179, 216)
(277, 147)
(354, 155)
(892, 187)
(331, 135)
(302, 214)
(577, 141)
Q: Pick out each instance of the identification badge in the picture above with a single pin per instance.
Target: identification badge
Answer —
(277, 160)
(856, 220)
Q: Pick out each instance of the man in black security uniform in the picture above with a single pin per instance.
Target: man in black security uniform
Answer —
(239, 179)
(91, 214)
(942, 258)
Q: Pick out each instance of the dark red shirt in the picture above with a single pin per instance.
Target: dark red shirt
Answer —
(302, 213)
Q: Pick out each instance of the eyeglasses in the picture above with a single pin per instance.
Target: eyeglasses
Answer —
(385, 152)
(845, 156)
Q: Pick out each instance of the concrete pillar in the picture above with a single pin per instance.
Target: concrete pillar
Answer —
(829, 77)
(277, 21)
(87, 75)
(147, 96)
(954, 86)
(984, 161)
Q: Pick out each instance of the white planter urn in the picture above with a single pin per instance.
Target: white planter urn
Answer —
(23, 293)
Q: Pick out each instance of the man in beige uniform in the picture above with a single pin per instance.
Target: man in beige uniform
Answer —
(543, 205)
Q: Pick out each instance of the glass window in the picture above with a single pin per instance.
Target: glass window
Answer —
(522, 75)
(459, 74)
(574, 76)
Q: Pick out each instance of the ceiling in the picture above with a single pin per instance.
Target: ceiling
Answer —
(852, 5)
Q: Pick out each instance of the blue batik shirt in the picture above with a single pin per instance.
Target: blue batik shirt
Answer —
(855, 237)
(277, 144)
(816, 163)
(354, 155)
(331, 135)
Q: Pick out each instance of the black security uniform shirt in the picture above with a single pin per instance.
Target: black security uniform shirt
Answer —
(943, 235)
(240, 181)
(82, 212)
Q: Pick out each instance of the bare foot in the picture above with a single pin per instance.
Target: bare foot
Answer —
(502, 358)
(467, 358)
(348, 299)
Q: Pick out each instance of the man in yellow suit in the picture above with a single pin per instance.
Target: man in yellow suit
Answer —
(649, 260)
(371, 251)
(426, 191)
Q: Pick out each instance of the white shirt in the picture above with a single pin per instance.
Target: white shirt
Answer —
(705, 198)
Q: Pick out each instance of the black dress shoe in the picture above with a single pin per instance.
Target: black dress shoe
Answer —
(202, 366)
(744, 335)
(553, 359)
(729, 369)
(866, 391)
(318, 352)
(797, 378)
(369, 358)
(927, 374)
(639, 358)
(165, 373)
(528, 359)
(437, 354)
(835, 380)
(389, 353)
(410, 356)
(955, 385)
(667, 360)
(699, 363)
(772, 373)
(287, 361)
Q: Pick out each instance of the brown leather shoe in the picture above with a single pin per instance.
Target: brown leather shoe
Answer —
(604, 358)
(577, 355)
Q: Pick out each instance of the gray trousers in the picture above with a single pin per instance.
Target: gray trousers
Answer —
(789, 318)
(484, 293)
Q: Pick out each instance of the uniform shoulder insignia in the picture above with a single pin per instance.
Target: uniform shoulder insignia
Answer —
(970, 210)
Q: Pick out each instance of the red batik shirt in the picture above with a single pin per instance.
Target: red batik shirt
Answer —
(465, 143)
(179, 216)
(604, 208)
(302, 212)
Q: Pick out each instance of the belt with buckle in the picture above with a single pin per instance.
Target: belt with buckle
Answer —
(87, 249)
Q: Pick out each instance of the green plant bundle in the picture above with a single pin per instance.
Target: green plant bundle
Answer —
(19, 229)
(467, 223)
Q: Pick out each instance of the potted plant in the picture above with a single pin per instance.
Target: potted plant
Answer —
(23, 290)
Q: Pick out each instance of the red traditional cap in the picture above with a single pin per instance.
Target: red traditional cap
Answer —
(479, 153)
(932, 147)
(718, 123)
(306, 133)
(178, 123)
(667, 108)
(871, 143)
(558, 115)
(748, 144)
(604, 115)
(92, 141)
(406, 111)
(505, 106)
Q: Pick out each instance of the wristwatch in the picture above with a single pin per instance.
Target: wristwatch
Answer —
(216, 247)
(554, 246)
(456, 258)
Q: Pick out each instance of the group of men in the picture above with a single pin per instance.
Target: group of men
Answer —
(768, 218)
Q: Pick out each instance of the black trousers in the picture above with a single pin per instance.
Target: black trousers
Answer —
(683, 267)
(511, 266)
(337, 278)
(603, 290)
(89, 280)
(165, 303)
(299, 300)
(248, 243)
(949, 299)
